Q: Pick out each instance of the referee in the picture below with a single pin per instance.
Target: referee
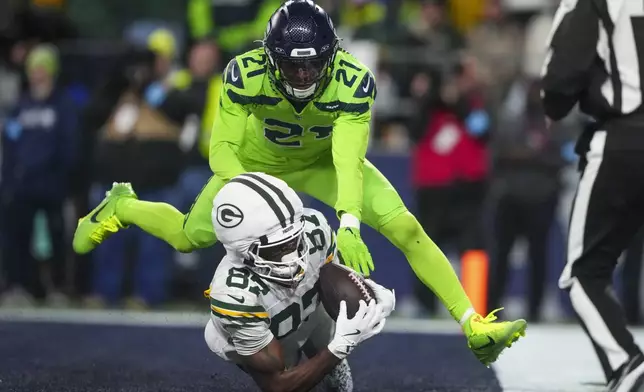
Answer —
(596, 59)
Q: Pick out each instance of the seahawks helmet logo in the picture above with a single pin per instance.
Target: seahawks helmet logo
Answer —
(229, 216)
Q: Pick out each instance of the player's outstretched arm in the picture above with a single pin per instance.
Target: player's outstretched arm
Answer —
(269, 371)
(349, 147)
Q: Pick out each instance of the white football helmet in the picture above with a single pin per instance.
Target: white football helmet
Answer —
(259, 219)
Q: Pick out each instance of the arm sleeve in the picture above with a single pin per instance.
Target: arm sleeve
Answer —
(571, 54)
(228, 129)
(349, 146)
(247, 325)
(250, 340)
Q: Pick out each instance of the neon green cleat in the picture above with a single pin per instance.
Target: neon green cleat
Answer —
(488, 339)
(101, 222)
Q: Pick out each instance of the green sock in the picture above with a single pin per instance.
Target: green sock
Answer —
(158, 219)
(429, 264)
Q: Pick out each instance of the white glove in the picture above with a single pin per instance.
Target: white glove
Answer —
(384, 297)
(368, 321)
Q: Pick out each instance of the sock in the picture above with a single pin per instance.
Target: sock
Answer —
(339, 379)
(429, 264)
(158, 219)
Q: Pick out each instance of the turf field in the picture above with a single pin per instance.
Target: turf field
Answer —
(65, 351)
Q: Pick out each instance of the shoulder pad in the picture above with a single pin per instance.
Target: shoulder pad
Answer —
(315, 218)
(353, 87)
(239, 281)
(245, 77)
(246, 72)
(319, 233)
(234, 293)
(355, 80)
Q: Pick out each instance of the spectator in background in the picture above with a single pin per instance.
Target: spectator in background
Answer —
(139, 143)
(450, 163)
(537, 31)
(355, 14)
(496, 43)
(430, 37)
(364, 20)
(38, 150)
(26, 23)
(235, 24)
(333, 8)
(525, 188)
(465, 14)
(201, 84)
(9, 78)
(433, 30)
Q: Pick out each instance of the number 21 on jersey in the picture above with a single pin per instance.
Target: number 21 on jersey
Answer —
(289, 135)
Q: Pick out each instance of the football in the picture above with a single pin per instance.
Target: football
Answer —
(339, 283)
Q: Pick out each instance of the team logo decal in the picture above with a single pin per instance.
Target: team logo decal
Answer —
(229, 216)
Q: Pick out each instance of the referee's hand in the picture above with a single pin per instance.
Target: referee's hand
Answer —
(549, 123)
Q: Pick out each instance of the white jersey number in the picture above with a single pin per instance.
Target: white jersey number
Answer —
(293, 313)
(316, 236)
(241, 278)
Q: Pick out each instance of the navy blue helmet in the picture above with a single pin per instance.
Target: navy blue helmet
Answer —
(300, 43)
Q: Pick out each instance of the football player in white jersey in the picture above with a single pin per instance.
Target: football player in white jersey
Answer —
(265, 307)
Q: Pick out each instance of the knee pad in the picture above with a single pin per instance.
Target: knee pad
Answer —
(339, 379)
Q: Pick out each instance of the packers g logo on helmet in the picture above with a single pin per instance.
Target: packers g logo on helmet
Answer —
(229, 216)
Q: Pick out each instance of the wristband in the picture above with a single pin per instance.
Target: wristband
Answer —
(341, 351)
(348, 220)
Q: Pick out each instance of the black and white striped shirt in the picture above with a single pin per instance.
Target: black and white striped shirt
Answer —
(595, 58)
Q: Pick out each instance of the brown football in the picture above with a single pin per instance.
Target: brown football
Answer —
(339, 283)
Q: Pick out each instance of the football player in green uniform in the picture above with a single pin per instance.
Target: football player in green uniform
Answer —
(299, 108)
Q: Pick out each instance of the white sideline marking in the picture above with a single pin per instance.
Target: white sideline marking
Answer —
(186, 319)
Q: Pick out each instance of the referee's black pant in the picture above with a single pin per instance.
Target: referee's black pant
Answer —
(607, 213)
(631, 273)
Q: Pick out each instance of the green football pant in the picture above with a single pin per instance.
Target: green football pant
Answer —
(381, 201)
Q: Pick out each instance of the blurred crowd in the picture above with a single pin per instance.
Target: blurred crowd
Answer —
(92, 91)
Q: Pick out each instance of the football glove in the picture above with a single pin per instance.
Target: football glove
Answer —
(384, 296)
(368, 321)
(352, 249)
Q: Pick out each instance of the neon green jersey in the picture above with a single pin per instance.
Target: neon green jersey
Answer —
(258, 129)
